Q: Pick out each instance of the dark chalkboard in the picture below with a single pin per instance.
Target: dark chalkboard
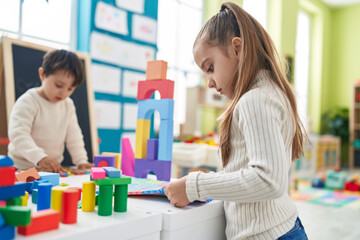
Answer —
(22, 61)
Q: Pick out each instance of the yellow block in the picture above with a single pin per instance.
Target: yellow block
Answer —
(56, 198)
(117, 158)
(24, 199)
(142, 135)
(88, 198)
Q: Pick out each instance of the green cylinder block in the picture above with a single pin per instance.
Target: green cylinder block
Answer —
(105, 200)
(121, 195)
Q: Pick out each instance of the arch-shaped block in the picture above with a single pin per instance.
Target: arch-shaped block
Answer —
(142, 135)
(165, 107)
(162, 169)
(166, 138)
(147, 88)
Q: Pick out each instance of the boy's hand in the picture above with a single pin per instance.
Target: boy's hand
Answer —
(84, 166)
(176, 192)
(50, 164)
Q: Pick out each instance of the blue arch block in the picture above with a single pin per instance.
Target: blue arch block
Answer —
(165, 107)
(166, 138)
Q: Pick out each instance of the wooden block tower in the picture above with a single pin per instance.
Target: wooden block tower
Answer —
(154, 155)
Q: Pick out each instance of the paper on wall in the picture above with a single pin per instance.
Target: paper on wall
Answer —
(144, 28)
(126, 54)
(132, 5)
(111, 18)
(106, 79)
(130, 116)
(107, 114)
(130, 81)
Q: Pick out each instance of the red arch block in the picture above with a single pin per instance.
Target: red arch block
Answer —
(147, 88)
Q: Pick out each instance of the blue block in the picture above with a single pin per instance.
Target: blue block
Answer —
(166, 139)
(165, 107)
(107, 158)
(36, 184)
(34, 196)
(13, 191)
(152, 149)
(44, 196)
(29, 187)
(7, 232)
(112, 172)
(2, 221)
(52, 178)
(5, 161)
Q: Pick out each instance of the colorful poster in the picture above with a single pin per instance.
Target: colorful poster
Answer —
(132, 5)
(130, 83)
(106, 79)
(111, 18)
(144, 28)
(107, 114)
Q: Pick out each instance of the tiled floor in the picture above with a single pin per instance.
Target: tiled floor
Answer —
(329, 223)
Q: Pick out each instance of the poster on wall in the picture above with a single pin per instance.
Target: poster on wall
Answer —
(130, 116)
(130, 81)
(116, 51)
(144, 28)
(107, 114)
(131, 5)
(111, 18)
(106, 79)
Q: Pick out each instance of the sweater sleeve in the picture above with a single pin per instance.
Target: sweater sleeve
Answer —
(20, 125)
(74, 139)
(265, 176)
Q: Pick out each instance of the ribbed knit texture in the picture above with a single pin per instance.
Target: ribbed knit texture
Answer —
(39, 128)
(254, 184)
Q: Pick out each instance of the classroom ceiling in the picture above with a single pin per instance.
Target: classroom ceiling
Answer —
(340, 3)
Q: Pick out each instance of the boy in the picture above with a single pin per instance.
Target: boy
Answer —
(44, 119)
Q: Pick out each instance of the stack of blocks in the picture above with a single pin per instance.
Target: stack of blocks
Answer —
(154, 155)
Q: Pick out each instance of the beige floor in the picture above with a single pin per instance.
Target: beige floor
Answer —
(328, 223)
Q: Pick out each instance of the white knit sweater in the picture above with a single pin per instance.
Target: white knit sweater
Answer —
(254, 183)
(40, 128)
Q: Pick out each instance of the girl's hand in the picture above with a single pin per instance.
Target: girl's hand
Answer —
(50, 164)
(84, 166)
(176, 192)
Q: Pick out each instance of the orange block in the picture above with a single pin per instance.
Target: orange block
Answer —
(156, 69)
(41, 221)
(27, 175)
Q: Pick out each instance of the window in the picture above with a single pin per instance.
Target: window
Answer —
(257, 9)
(179, 22)
(47, 22)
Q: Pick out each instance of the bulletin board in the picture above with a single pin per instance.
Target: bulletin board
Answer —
(120, 36)
(21, 63)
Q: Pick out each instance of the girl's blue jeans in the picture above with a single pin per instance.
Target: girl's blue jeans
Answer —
(296, 233)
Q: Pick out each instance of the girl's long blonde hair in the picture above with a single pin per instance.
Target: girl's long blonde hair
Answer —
(257, 52)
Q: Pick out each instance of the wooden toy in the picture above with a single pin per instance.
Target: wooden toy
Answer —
(104, 161)
(16, 215)
(128, 159)
(156, 69)
(16, 190)
(34, 196)
(36, 183)
(5, 161)
(147, 88)
(78, 189)
(152, 149)
(120, 198)
(88, 199)
(44, 196)
(105, 200)
(41, 221)
(14, 202)
(113, 181)
(69, 206)
(2, 221)
(7, 232)
(98, 173)
(28, 175)
(165, 107)
(24, 199)
(142, 135)
(56, 198)
(7, 176)
(117, 158)
(112, 172)
(162, 169)
(28, 187)
(52, 178)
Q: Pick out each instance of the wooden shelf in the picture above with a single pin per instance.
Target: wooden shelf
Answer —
(354, 124)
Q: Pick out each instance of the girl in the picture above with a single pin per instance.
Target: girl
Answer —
(260, 131)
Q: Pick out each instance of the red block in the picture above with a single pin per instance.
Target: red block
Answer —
(41, 221)
(351, 186)
(77, 189)
(7, 176)
(147, 88)
(69, 207)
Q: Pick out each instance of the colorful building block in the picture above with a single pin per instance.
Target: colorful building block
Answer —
(44, 196)
(120, 198)
(165, 107)
(25, 199)
(105, 200)
(104, 161)
(147, 88)
(41, 221)
(56, 198)
(7, 176)
(352, 186)
(36, 183)
(117, 158)
(14, 202)
(28, 187)
(162, 169)
(98, 173)
(9, 192)
(128, 159)
(69, 206)
(152, 149)
(5, 161)
(34, 196)
(7, 232)
(142, 135)
(113, 181)
(166, 136)
(53, 178)
(2, 221)
(156, 69)
(78, 189)
(112, 172)
(28, 175)
(16, 215)
(88, 199)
